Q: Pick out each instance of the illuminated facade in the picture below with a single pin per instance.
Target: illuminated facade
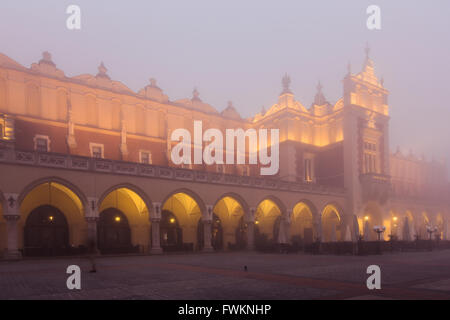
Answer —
(85, 161)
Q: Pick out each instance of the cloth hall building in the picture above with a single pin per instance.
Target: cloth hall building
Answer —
(85, 161)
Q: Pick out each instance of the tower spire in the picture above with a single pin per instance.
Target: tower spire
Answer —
(319, 87)
(368, 62)
(367, 50)
(286, 82)
(195, 95)
(319, 99)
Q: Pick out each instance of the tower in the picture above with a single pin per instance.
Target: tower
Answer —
(366, 138)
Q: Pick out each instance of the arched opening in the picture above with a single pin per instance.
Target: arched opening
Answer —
(372, 217)
(267, 222)
(301, 229)
(46, 232)
(331, 224)
(113, 232)
(187, 213)
(48, 209)
(232, 229)
(127, 204)
(170, 232)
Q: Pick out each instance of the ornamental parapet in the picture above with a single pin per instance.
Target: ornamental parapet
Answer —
(79, 163)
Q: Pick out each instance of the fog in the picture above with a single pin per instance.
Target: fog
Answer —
(239, 50)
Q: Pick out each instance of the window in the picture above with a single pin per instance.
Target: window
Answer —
(97, 150)
(2, 134)
(41, 143)
(308, 167)
(245, 171)
(308, 170)
(370, 157)
(145, 157)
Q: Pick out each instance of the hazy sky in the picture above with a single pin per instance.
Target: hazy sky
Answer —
(239, 50)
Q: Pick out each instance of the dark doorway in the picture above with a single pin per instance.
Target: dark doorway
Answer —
(46, 233)
(217, 233)
(170, 232)
(114, 234)
(276, 229)
(241, 235)
(308, 235)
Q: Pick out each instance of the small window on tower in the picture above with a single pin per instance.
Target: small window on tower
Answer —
(41, 143)
(308, 167)
(145, 157)
(97, 150)
(308, 170)
(370, 156)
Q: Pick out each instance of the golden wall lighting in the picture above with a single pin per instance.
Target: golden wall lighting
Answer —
(366, 218)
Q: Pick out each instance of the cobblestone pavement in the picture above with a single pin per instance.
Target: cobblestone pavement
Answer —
(415, 275)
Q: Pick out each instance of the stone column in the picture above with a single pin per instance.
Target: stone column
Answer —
(317, 225)
(250, 221)
(12, 216)
(207, 246)
(155, 218)
(12, 251)
(91, 217)
(207, 226)
(156, 237)
(287, 225)
(92, 234)
(282, 231)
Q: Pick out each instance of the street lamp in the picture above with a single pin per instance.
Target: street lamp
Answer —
(379, 230)
(431, 230)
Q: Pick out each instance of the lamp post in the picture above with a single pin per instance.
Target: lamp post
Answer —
(431, 230)
(379, 230)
